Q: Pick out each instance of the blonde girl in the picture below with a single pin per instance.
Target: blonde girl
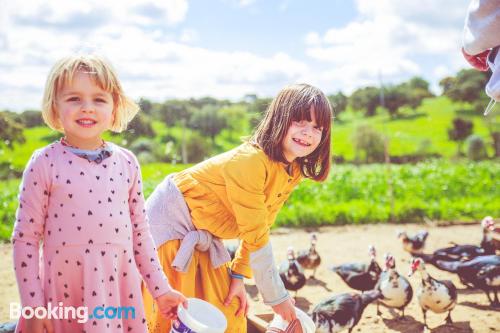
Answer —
(81, 197)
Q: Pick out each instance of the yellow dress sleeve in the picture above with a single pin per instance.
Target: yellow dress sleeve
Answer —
(245, 177)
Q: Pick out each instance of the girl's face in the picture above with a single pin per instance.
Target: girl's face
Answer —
(302, 138)
(85, 111)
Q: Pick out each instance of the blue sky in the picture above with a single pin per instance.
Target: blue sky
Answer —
(229, 48)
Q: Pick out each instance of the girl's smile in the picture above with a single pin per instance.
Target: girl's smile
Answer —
(85, 122)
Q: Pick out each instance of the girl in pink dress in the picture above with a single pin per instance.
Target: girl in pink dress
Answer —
(82, 197)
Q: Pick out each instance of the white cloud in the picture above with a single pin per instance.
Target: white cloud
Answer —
(189, 36)
(154, 63)
(312, 38)
(245, 3)
(388, 39)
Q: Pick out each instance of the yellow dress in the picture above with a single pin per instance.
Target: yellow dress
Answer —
(237, 194)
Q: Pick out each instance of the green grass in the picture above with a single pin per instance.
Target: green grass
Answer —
(429, 122)
(439, 190)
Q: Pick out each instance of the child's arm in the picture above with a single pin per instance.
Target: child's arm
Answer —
(34, 193)
(245, 182)
(145, 254)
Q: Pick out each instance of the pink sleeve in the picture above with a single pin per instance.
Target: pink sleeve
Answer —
(144, 249)
(33, 197)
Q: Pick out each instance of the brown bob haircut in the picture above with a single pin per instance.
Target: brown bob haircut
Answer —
(294, 103)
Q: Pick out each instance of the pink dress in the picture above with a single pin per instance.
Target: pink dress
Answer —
(96, 240)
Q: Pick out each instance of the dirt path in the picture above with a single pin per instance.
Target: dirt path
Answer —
(338, 245)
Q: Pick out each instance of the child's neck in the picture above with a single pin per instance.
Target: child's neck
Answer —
(90, 144)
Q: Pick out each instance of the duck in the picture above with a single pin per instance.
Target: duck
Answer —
(491, 234)
(453, 253)
(342, 311)
(310, 259)
(360, 276)
(481, 272)
(292, 273)
(413, 244)
(396, 290)
(436, 295)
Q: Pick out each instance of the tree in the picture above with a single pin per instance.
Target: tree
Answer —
(467, 86)
(31, 118)
(367, 99)
(139, 126)
(208, 121)
(173, 111)
(146, 106)
(461, 129)
(198, 148)
(395, 97)
(10, 131)
(338, 102)
(417, 89)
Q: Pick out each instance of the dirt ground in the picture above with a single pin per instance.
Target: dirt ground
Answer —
(338, 245)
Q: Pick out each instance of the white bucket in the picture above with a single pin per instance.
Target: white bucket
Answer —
(199, 317)
(306, 322)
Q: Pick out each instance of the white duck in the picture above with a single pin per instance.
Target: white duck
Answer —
(436, 295)
(396, 289)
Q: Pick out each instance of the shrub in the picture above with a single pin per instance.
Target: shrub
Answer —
(369, 144)
(476, 149)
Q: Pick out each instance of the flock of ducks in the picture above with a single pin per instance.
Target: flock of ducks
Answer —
(477, 267)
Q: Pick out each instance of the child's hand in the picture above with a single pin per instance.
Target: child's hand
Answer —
(168, 303)
(237, 289)
(35, 325)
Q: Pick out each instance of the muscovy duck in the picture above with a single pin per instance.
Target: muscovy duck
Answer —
(310, 259)
(292, 273)
(491, 234)
(436, 295)
(396, 289)
(342, 311)
(413, 244)
(360, 276)
(481, 272)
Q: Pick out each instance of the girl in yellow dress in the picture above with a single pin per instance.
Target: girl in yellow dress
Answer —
(238, 194)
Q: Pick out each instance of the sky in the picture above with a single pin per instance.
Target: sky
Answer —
(229, 48)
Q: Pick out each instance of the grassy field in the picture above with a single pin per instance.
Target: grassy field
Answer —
(426, 127)
(460, 191)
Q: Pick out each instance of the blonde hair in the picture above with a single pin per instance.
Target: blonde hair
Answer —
(294, 103)
(103, 74)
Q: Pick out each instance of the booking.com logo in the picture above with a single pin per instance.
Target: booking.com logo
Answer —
(80, 314)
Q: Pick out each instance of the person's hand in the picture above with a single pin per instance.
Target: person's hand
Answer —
(168, 303)
(478, 61)
(286, 310)
(237, 289)
(35, 325)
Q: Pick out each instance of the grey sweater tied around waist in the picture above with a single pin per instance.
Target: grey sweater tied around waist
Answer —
(169, 219)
